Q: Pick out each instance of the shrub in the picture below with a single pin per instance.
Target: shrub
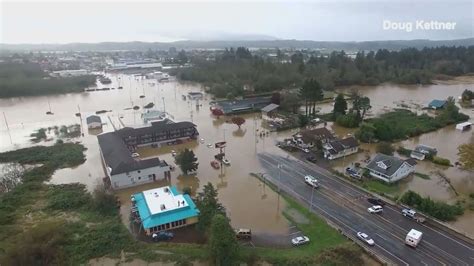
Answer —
(67, 196)
(441, 161)
(439, 210)
(403, 151)
(385, 148)
(104, 202)
(349, 120)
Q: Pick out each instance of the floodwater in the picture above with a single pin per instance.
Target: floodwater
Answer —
(248, 202)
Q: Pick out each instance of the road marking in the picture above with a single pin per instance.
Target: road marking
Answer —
(379, 235)
(294, 233)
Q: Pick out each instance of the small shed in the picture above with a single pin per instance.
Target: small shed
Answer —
(93, 122)
(464, 126)
(437, 104)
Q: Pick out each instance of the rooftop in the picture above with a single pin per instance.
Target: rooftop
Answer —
(386, 164)
(93, 119)
(150, 206)
(437, 103)
(119, 158)
(229, 106)
(270, 107)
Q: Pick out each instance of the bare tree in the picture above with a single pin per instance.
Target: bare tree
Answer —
(11, 176)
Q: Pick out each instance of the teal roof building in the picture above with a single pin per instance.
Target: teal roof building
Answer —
(164, 208)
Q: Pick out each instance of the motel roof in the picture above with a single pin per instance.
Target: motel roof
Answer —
(437, 103)
(164, 205)
(119, 158)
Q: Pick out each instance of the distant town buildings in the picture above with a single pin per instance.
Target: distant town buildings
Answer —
(69, 73)
(163, 209)
(389, 168)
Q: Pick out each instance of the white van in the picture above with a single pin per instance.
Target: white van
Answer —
(413, 238)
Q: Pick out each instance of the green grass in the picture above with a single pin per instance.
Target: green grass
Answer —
(421, 175)
(382, 188)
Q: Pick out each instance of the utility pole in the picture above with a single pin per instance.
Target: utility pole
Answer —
(164, 107)
(311, 204)
(280, 166)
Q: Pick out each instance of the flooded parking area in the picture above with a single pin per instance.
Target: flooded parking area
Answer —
(249, 203)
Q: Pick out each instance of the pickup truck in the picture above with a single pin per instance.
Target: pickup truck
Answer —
(413, 215)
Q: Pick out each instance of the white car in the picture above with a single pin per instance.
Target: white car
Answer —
(209, 145)
(375, 209)
(300, 240)
(135, 155)
(226, 161)
(173, 153)
(364, 237)
(306, 150)
(310, 180)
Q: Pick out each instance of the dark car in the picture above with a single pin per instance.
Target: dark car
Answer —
(162, 236)
(311, 159)
(376, 201)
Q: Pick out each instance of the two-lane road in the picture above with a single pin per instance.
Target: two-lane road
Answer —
(346, 206)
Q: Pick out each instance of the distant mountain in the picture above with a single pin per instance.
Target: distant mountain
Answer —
(219, 44)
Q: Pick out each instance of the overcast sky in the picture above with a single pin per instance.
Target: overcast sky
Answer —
(340, 20)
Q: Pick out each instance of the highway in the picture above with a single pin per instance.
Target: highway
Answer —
(345, 205)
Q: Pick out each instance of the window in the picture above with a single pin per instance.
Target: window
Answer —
(138, 171)
(168, 226)
(139, 178)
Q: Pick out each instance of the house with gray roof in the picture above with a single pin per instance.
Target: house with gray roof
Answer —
(338, 148)
(255, 104)
(309, 138)
(389, 168)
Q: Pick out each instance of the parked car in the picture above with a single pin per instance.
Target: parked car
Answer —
(364, 237)
(162, 236)
(311, 159)
(306, 150)
(243, 233)
(376, 201)
(375, 209)
(226, 161)
(310, 180)
(173, 153)
(209, 145)
(300, 240)
(135, 155)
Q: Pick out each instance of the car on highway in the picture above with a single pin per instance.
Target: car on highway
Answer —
(413, 215)
(311, 159)
(364, 237)
(310, 180)
(162, 236)
(376, 201)
(375, 209)
(300, 240)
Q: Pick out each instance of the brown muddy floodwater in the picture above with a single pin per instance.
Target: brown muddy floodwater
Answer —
(250, 205)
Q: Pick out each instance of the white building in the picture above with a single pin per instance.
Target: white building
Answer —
(124, 171)
(389, 168)
(94, 122)
(464, 126)
(338, 148)
(69, 73)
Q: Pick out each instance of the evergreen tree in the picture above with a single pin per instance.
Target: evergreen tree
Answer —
(208, 206)
(340, 105)
(223, 245)
(187, 161)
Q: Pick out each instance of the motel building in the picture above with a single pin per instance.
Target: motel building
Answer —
(162, 209)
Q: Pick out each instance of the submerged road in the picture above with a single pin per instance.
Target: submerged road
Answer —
(345, 205)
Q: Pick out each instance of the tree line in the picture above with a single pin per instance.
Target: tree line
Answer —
(234, 68)
(28, 79)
